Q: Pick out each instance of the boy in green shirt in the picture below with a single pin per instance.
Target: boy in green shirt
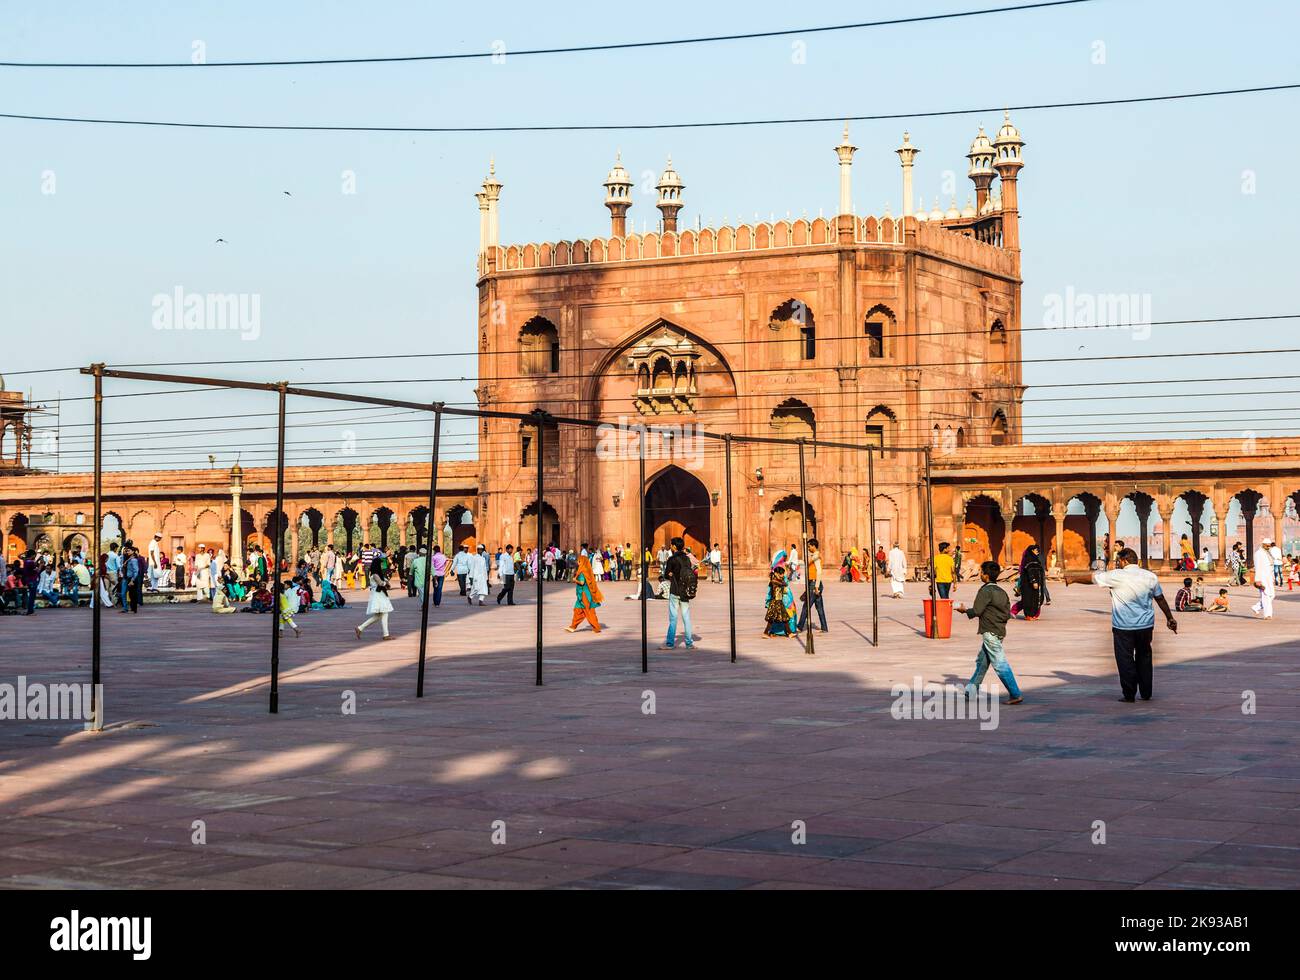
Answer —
(993, 609)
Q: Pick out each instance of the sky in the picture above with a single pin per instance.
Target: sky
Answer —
(1190, 205)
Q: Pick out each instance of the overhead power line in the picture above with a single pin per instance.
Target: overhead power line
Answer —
(528, 52)
(616, 127)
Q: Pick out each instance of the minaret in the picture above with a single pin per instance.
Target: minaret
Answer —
(618, 197)
(481, 197)
(670, 189)
(981, 168)
(492, 192)
(1008, 163)
(907, 153)
(845, 152)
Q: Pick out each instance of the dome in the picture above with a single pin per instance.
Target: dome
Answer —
(969, 210)
(982, 144)
(1008, 144)
(669, 178)
(618, 174)
(952, 212)
(935, 213)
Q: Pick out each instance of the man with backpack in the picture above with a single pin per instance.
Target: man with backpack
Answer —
(683, 581)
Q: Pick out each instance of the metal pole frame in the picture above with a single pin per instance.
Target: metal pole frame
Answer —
(731, 564)
(645, 565)
(96, 636)
(803, 534)
(280, 529)
(538, 418)
(428, 543)
(932, 630)
(871, 538)
(100, 371)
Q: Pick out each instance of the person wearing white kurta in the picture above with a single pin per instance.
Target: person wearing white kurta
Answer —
(1263, 570)
(379, 606)
(180, 563)
(897, 565)
(202, 574)
(478, 576)
(155, 561)
(218, 568)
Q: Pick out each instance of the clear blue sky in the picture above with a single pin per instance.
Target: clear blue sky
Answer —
(1143, 199)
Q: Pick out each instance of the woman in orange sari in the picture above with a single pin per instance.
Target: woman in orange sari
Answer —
(587, 597)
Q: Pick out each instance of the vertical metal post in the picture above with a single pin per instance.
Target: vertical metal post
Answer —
(731, 564)
(803, 535)
(96, 589)
(541, 451)
(428, 545)
(932, 629)
(277, 587)
(871, 549)
(645, 565)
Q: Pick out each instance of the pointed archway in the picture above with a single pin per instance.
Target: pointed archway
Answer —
(677, 505)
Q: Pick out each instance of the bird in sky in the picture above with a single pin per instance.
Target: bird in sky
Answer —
(219, 241)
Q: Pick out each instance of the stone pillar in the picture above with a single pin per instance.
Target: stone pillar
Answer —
(1058, 509)
(1249, 506)
(1091, 510)
(1143, 505)
(236, 532)
(1195, 509)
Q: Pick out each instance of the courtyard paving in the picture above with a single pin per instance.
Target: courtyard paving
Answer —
(492, 782)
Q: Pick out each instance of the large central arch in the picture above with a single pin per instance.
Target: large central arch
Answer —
(677, 505)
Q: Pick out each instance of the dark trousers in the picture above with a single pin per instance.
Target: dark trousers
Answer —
(437, 589)
(817, 604)
(1133, 658)
(464, 581)
(507, 590)
(943, 588)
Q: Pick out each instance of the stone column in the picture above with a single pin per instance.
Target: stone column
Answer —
(1091, 510)
(1143, 504)
(1195, 509)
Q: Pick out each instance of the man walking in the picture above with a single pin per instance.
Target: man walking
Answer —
(992, 608)
(682, 583)
(715, 563)
(1263, 580)
(813, 593)
(460, 567)
(943, 570)
(506, 572)
(1132, 618)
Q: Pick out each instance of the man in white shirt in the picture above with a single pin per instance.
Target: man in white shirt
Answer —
(460, 567)
(1132, 619)
(1276, 554)
(715, 563)
(506, 572)
(155, 561)
(896, 564)
(1263, 569)
(477, 574)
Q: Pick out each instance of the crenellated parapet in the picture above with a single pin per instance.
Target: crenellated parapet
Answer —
(884, 232)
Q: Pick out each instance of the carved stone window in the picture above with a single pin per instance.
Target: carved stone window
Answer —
(664, 365)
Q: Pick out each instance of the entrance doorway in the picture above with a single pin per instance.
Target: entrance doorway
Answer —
(677, 505)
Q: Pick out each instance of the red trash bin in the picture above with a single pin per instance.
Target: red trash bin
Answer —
(938, 626)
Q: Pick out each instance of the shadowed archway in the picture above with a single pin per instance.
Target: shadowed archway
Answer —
(677, 505)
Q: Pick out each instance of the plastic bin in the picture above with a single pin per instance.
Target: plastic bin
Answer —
(939, 625)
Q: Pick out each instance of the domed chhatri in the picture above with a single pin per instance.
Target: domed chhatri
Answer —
(670, 202)
(618, 196)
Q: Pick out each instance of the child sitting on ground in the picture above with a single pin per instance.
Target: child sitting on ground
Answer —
(1198, 596)
(1220, 603)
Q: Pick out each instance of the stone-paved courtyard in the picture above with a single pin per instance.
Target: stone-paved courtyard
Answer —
(706, 792)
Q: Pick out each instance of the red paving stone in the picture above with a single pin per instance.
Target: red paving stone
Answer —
(593, 793)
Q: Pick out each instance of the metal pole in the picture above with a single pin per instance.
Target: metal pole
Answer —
(645, 567)
(731, 564)
(428, 544)
(96, 589)
(279, 548)
(871, 539)
(803, 535)
(541, 437)
(932, 630)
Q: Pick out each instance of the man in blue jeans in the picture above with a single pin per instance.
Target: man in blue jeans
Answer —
(682, 581)
(993, 609)
(1133, 591)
